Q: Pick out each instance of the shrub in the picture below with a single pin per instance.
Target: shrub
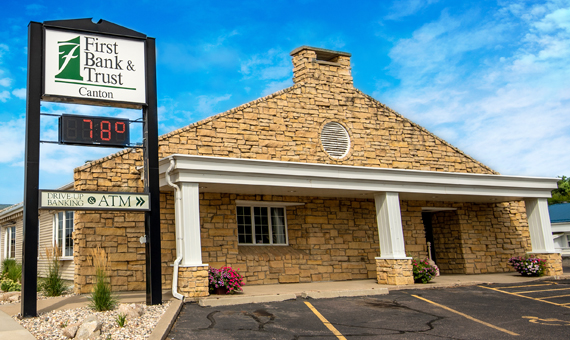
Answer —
(102, 298)
(15, 273)
(6, 264)
(8, 285)
(528, 266)
(225, 277)
(53, 284)
(424, 272)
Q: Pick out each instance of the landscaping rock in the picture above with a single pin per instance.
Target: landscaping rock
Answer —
(89, 329)
(15, 297)
(8, 295)
(132, 311)
(71, 330)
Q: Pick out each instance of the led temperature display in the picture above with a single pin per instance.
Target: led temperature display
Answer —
(88, 130)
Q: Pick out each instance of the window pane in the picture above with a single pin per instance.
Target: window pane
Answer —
(261, 220)
(13, 242)
(68, 233)
(244, 225)
(59, 236)
(278, 225)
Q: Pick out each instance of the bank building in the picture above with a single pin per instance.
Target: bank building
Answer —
(316, 182)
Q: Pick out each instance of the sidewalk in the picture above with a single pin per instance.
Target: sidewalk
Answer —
(10, 329)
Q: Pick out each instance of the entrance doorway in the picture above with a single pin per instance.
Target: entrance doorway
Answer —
(428, 227)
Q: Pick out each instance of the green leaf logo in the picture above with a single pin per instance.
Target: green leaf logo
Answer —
(69, 62)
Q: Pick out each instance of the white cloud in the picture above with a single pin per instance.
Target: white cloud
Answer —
(5, 82)
(4, 96)
(20, 93)
(404, 8)
(207, 104)
(12, 141)
(271, 65)
(275, 86)
(503, 99)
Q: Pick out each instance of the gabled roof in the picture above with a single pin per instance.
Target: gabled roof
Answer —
(559, 212)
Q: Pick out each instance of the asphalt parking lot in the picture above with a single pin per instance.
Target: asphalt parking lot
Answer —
(536, 310)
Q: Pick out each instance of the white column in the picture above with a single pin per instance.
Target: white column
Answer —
(389, 222)
(190, 221)
(539, 225)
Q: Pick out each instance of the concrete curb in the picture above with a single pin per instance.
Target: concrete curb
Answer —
(167, 320)
(240, 300)
(329, 294)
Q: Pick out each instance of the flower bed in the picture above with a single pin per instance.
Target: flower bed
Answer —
(225, 279)
(424, 272)
(528, 266)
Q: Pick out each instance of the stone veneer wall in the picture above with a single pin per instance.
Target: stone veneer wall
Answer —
(329, 239)
(476, 238)
(284, 126)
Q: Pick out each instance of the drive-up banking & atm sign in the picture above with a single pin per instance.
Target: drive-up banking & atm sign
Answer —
(94, 67)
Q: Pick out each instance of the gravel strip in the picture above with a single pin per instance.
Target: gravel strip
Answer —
(50, 325)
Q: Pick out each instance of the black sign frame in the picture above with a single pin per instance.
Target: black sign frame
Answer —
(34, 92)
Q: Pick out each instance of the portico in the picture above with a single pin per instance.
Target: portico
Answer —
(195, 177)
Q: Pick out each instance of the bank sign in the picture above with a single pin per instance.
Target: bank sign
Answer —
(93, 69)
(93, 200)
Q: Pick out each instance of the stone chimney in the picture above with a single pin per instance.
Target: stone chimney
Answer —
(317, 65)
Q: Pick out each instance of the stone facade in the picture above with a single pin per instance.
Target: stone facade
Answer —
(329, 239)
(553, 263)
(193, 281)
(394, 272)
(476, 238)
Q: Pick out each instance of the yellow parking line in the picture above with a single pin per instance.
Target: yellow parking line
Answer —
(544, 290)
(526, 297)
(467, 316)
(553, 297)
(325, 322)
(549, 284)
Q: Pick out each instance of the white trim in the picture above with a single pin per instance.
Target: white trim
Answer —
(235, 175)
(268, 203)
(64, 226)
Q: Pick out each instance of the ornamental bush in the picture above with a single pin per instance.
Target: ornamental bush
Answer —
(424, 272)
(528, 266)
(225, 277)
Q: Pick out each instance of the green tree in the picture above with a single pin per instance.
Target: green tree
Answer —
(562, 193)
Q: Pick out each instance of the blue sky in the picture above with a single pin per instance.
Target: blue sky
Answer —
(490, 77)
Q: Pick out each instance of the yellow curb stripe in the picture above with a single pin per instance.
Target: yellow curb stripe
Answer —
(467, 316)
(553, 297)
(325, 322)
(544, 290)
(526, 297)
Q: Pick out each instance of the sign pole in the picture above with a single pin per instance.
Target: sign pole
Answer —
(32, 172)
(151, 182)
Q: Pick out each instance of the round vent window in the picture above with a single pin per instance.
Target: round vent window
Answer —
(335, 140)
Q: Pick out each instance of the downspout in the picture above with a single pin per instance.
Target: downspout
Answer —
(178, 230)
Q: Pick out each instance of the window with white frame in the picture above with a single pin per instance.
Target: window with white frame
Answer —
(568, 240)
(63, 233)
(10, 242)
(261, 225)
